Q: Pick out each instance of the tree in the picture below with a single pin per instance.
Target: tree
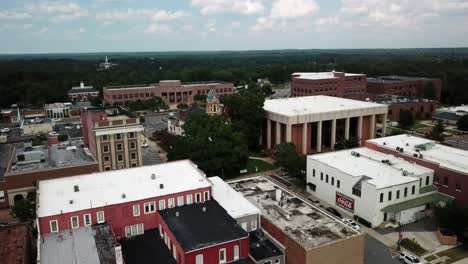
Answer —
(453, 217)
(286, 156)
(406, 119)
(437, 132)
(25, 209)
(212, 144)
(462, 123)
(429, 91)
(96, 101)
(200, 97)
(182, 106)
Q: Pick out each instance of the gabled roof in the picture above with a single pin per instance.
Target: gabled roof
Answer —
(212, 95)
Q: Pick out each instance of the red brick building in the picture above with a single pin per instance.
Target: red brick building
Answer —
(171, 91)
(448, 163)
(327, 83)
(16, 244)
(404, 86)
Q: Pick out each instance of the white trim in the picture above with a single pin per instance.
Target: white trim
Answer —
(84, 220)
(189, 198)
(99, 131)
(170, 203)
(136, 206)
(223, 260)
(236, 252)
(163, 204)
(199, 260)
(77, 222)
(180, 200)
(56, 224)
(206, 196)
(103, 217)
(149, 211)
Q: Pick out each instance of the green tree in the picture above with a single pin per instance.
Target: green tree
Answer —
(286, 156)
(429, 91)
(24, 209)
(437, 132)
(96, 101)
(200, 97)
(182, 106)
(462, 123)
(453, 217)
(406, 119)
(212, 144)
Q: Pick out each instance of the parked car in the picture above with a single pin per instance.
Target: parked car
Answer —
(333, 211)
(351, 224)
(144, 144)
(5, 130)
(407, 258)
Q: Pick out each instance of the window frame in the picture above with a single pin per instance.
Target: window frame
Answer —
(98, 218)
(85, 222)
(235, 252)
(136, 206)
(163, 207)
(206, 196)
(171, 202)
(56, 226)
(198, 197)
(180, 200)
(151, 207)
(223, 259)
(77, 222)
(189, 199)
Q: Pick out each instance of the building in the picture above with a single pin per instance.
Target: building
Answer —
(374, 187)
(57, 110)
(113, 136)
(172, 92)
(327, 83)
(16, 244)
(26, 165)
(317, 123)
(405, 86)
(213, 105)
(309, 234)
(176, 121)
(448, 163)
(146, 249)
(451, 115)
(82, 93)
(420, 108)
(90, 244)
(106, 64)
(36, 126)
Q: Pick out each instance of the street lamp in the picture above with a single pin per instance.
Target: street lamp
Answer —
(399, 236)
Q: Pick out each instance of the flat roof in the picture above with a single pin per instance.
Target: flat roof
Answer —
(448, 157)
(369, 164)
(261, 247)
(200, 225)
(36, 121)
(303, 222)
(416, 202)
(15, 239)
(396, 78)
(233, 202)
(321, 75)
(147, 248)
(315, 104)
(107, 188)
(58, 155)
(462, 109)
(86, 245)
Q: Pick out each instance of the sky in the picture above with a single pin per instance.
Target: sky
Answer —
(58, 26)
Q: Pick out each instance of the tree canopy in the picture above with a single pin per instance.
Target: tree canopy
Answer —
(462, 123)
(437, 132)
(453, 217)
(286, 156)
(406, 119)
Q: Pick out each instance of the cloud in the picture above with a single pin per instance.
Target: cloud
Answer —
(211, 25)
(157, 28)
(57, 11)
(153, 14)
(288, 9)
(5, 14)
(242, 7)
(75, 33)
(15, 27)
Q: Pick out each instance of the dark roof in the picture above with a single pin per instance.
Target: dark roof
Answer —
(148, 248)
(397, 78)
(261, 247)
(447, 116)
(202, 225)
(242, 261)
(15, 243)
(82, 90)
(105, 243)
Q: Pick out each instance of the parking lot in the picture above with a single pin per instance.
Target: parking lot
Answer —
(154, 122)
(153, 154)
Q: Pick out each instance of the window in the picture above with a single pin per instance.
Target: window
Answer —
(150, 207)
(458, 185)
(105, 148)
(134, 230)
(119, 146)
(170, 203)
(199, 259)
(326, 178)
(356, 192)
(445, 181)
(132, 145)
(236, 252)
(427, 180)
(118, 136)
(321, 176)
(198, 198)
(338, 184)
(313, 172)
(390, 196)
(133, 156)
(74, 222)
(254, 225)
(174, 251)
(405, 193)
(100, 217)
(105, 138)
(54, 226)
(381, 197)
(162, 204)
(131, 135)
(222, 255)
(398, 194)
(106, 158)
(136, 210)
(333, 181)
(134, 165)
(120, 157)
(107, 168)
(87, 219)
(413, 190)
(180, 201)
(206, 196)
(189, 198)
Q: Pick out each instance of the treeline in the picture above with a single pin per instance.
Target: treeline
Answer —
(37, 80)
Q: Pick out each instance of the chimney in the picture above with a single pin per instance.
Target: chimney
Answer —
(81, 84)
(118, 254)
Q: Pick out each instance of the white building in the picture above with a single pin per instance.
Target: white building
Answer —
(378, 188)
(57, 110)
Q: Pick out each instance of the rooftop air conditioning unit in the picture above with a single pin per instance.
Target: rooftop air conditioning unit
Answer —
(153, 176)
(161, 186)
(76, 188)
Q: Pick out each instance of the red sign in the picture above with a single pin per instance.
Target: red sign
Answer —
(345, 202)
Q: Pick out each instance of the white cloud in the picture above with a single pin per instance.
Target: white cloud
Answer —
(153, 14)
(157, 28)
(243, 7)
(15, 27)
(287, 9)
(235, 24)
(75, 33)
(14, 15)
(211, 25)
(57, 11)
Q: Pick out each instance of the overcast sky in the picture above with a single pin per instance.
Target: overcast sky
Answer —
(42, 26)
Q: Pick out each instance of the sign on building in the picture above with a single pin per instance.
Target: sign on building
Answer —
(345, 202)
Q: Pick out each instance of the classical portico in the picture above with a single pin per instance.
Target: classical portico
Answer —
(316, 123)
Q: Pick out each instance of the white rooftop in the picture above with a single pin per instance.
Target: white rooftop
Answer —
(461, 108)
(321, 75)
(233, 202)
(107, 188)
(369, 163)
(316, 104)
(448, 157)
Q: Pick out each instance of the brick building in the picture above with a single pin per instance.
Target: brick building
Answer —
(16, 244)
(327, 83)
(448, 163)
(404, 86)
(171, 91)
(113, 136)
(82, 93)
(420, 108)
(313, 122)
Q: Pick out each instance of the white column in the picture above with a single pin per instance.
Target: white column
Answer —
(346, 133)
(333, 134)
(372, 127)
(288, 133)
(268, 134)
(304, 138)
(278, 133)
(384, 125)
(359, 131)
(319, 136)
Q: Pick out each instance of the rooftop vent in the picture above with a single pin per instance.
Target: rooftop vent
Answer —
(71, 201)
(407, 144)
(76, 188)
(177, 214)
(355, 154)
(203, 209)
(123, 196)
(153, 176)
(161, 186)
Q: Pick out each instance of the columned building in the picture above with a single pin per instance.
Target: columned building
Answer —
(316, 123)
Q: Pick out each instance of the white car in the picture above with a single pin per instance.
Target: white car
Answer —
(5, 130)
(407, 258)
(144, 144)
(351, 224)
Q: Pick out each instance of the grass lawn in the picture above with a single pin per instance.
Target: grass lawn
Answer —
(455, 254)
(419, 125)
(260, 165)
